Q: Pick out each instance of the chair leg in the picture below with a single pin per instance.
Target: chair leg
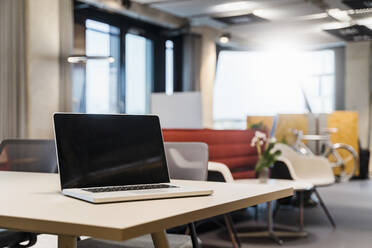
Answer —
(232, 231)
(194, 236)
(324, 208)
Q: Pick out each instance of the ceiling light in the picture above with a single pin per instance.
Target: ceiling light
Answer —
(225, 38)
(312, 17)
(339, 15)
(365, 21)
(83, 59)
(334, 25)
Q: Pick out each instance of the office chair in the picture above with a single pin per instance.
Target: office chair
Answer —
(26, 156)
(189, 161)
(186, 160)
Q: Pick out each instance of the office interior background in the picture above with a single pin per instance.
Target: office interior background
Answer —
(199, 64)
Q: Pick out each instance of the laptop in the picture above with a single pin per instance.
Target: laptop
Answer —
(109, 158)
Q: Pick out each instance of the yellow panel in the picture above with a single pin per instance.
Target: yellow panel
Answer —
(347, 124)
(266, 120)
(286, 122)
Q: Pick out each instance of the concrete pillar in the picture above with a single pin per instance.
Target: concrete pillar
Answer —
(357, 85)
(42, 66)
(207, 71)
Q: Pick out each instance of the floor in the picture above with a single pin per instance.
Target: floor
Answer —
(349, 203)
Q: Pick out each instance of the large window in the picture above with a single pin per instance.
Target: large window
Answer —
(126, 60)
(268, 83)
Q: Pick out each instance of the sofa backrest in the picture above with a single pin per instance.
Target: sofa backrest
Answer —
(231, 147)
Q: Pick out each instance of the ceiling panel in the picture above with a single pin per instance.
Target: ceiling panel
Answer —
(287, 18)
(190, 8)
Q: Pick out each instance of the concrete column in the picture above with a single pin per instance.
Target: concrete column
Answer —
(207, 72)
(42, 66)
(357, 85)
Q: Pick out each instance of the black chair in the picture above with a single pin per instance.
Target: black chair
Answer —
(26, 156)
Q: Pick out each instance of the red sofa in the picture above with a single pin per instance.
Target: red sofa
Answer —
(231, 147)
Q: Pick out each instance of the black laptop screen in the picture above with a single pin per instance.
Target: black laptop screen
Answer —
(109, 150)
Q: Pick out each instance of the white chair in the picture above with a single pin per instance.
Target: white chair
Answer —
(313, 169)
(222, 169)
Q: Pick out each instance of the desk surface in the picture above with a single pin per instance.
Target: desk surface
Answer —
(33, 202)
(298, 185)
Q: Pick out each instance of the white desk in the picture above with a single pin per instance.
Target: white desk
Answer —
(33, 202)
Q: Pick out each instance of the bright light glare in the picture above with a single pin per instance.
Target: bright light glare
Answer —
(233, 6)
(281, 46)
(269, 82)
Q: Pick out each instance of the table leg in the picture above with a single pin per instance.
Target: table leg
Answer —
(270, 224)
(66, 241)
(160, 239)
(232, 231)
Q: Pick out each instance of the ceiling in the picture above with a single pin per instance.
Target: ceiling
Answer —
(288, 22)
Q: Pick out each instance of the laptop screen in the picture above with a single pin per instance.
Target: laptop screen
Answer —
(109, 150)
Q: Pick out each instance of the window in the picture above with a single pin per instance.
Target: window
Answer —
(319, 82)
(101, 74)
(138, 74)
(141, 53)
(169, 67)
(267, 83)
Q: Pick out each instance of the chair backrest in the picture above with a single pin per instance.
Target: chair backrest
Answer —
(187, 160)
(294, 161)
(305, 166)
(28, 155)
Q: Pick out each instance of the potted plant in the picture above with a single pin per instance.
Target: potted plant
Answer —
(266, 157)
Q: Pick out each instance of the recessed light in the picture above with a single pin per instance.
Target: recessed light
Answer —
(225, 38)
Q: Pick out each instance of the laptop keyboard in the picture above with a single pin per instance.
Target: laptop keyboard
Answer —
(129, 187)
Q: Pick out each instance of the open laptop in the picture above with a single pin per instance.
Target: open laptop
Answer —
(109, 158)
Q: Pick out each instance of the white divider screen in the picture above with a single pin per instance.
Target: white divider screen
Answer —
(180, 110)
